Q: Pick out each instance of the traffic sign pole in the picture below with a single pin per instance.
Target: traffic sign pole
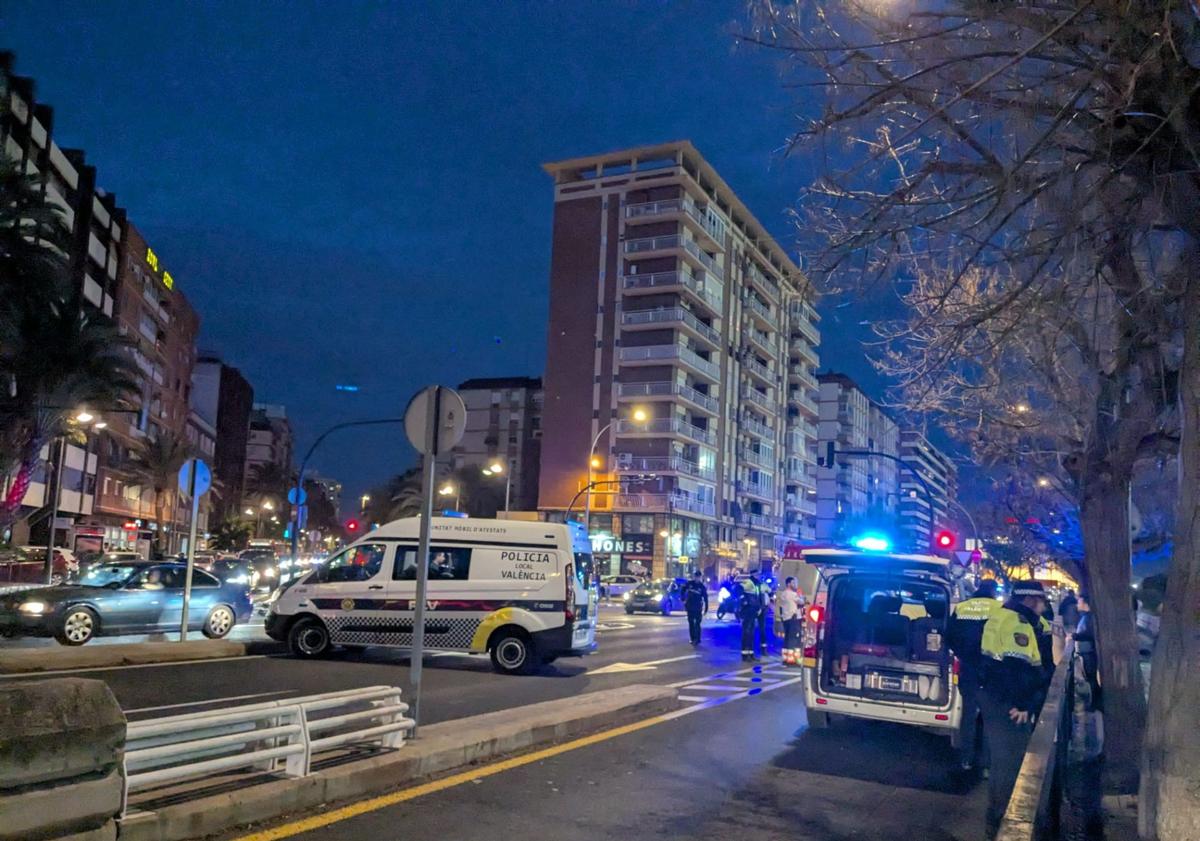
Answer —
(428, 476)
(191, 553)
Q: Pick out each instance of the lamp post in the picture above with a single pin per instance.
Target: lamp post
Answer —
(448, 489)
(640, 416)
(497, 469)
(83, 418)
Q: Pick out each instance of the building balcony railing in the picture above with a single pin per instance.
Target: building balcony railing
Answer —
(758, 458)
(713, 229)
(804, 350)
(671, 242)
(760, 399)
(801, 374)
(762, 521)
(672, 315)
(802, 503)
(627, 463)
(709, 293)
(759, 370)
(762, 490)
(667, 426)
(666, 353)
(768, 286)
(807, 329)
(665, 502)
(762, 341)
(755, 427)
(666, 389)
(757, 307)
(799, 397)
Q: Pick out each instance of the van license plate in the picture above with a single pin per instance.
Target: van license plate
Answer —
(893, 684)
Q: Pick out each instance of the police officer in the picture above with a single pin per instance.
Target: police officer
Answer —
(750, 608)
(695, 601)
(1014, 682)
(965, 636)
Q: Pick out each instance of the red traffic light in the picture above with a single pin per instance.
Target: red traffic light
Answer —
(352, 525)
(945, 540)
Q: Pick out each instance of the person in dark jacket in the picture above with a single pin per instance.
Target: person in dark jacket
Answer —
(1085, 646)
(1013, 688)
(1068, 611)
(965, 636)
(695, 601)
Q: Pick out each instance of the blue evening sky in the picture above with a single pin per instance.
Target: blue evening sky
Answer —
(352, 192)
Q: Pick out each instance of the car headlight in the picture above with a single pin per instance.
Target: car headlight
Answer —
(33, 608)
(723, 595)
(658, 597)
(238, 579)
(269, 572)
(626, 595)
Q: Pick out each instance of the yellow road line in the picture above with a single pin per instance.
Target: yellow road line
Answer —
(383, 801)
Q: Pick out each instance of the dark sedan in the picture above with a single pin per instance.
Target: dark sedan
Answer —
(661, 596)
(125, 598)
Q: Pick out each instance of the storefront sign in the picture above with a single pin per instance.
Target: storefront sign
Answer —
(606, 544)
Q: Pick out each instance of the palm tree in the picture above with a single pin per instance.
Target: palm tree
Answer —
(158, 461)
(55, 355)
(271, 481)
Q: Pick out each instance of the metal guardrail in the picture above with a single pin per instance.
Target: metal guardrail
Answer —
(268, 736)
(1033, 809)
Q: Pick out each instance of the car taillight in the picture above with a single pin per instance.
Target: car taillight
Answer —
(815, 613)
(810, 651)
(956, 665)
(569, 607)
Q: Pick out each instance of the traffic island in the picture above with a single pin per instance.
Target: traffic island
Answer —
(35, 660)
(439, 749)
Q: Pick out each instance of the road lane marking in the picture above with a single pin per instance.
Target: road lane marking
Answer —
(374, 804)
(714, 687)
(752, 678)
(135, 666)
(210, 701)
(692, 698)
(615, 668)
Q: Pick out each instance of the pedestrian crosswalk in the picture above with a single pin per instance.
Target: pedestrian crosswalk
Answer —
(725, 686)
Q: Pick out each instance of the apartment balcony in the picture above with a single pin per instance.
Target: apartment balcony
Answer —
(627, 463)
(757, 428)
(669, 503)
(799, 397)
(769, 287)
(660, 427)
(808, 330)
(757, 369)
(674, 244)
(667, 354)
(759, 458)
(683, 209)
(800, 374)
(666, 390)
(671, 317)
(758, 490)
(705, 292)
(762, 341)
(805, 351)
(762, 521)
(760, 311)
(803, 503)
(760, 400)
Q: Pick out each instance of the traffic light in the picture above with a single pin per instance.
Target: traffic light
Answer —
(352, 526)
(945, 540)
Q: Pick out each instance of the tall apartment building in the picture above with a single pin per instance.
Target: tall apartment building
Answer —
(857, 490)
(225, 399)
(917, 522)
(677, 332)
(270, 440)
(504, 423)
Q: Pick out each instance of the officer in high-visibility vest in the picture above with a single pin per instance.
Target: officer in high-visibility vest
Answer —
(965, 636)
(750, 608)
(1014, 682)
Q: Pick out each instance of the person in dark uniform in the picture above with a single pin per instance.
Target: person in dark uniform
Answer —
(1013, 687)
(750, 607)
(695, 601)
(965, 637)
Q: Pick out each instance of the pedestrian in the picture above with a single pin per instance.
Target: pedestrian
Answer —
(789, 607)
(1085, 647)
(750, 608)
(1014, 683)
(695, 600)
(1068, 611)
(965, 637)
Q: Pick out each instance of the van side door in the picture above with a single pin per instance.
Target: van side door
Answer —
(450, 610)
(350, 594)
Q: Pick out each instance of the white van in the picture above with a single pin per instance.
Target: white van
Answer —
(875, 638)
(521, 591)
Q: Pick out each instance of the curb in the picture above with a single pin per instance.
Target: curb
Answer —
(36, 660)
(440, 748)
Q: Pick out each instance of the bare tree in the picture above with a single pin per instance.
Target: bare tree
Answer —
(1034, 167)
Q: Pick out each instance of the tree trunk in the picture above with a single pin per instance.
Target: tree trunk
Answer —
(1169, 799)
(158, 520)
(1104, 520)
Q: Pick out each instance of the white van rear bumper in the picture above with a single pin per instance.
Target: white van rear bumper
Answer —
(931, 717)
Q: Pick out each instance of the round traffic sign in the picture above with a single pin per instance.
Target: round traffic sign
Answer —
(203, 477)
(292, 496)
(435, 420)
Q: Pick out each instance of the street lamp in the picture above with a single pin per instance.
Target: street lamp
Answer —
(1043, 482)
(497, 469)
(363, 500)
(638, 415)
(249, 512)
(82, 417)
(448, 489)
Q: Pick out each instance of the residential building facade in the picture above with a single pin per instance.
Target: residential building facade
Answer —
(270, 441)
(857, 491)
(225, 399)
(928, 484)
(679, 363)
(504, 424)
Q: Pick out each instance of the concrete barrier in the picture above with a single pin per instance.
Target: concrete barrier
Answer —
(64, 658)
(440, 748)
(61, 746)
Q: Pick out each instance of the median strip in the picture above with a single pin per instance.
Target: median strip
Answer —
(28, 661)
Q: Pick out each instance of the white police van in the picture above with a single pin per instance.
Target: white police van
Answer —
(520, 591)
(874, 637)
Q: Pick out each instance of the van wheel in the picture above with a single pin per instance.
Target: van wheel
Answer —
(309, 638)
(512, 653)
(817, 719)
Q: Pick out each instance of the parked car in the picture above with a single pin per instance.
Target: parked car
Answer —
(125, 598)
(661, 596)
(616, 586)
(26, 565)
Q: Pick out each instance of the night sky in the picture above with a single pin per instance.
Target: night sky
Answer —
(352, 192)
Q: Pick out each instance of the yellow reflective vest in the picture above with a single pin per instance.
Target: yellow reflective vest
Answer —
(1012, 666)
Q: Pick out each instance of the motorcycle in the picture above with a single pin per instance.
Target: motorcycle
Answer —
(727, 603)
